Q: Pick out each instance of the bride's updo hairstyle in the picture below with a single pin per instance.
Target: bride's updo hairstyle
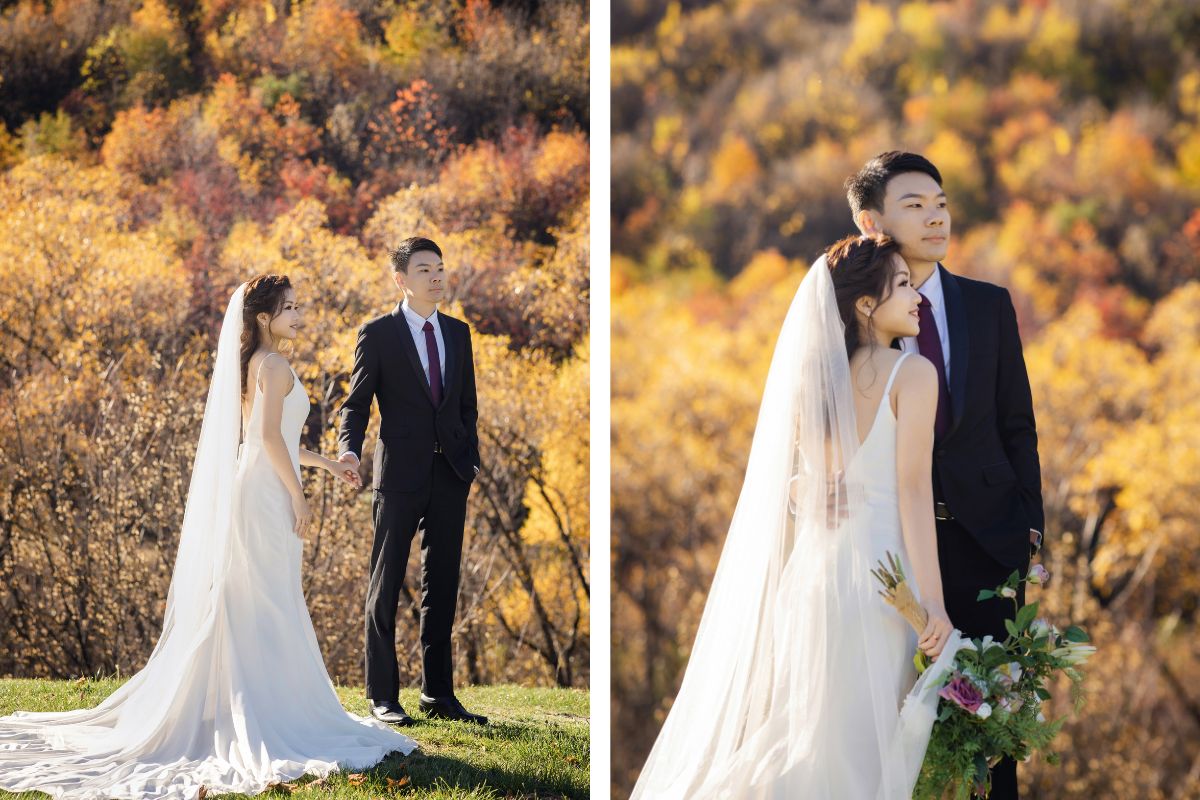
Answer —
(264, 293)
(861, 266)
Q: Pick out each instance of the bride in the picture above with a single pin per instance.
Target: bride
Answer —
(801, 683)
(235, 695)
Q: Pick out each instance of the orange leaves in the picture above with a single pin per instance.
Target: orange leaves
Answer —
(252, 138)
(411, 128)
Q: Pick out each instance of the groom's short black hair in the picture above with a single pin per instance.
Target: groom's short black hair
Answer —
(867, 187)
(404, 251)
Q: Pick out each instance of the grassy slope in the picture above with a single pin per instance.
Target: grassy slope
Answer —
(535, 747)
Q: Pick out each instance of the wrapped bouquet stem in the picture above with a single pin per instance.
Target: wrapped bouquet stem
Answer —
(898, 594)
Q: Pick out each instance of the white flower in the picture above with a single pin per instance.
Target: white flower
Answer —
(1040, 627)
(1041, 718)
(1008, 591)
(989, 643)
(1009, 673)
(984, 711)
(1074, 652)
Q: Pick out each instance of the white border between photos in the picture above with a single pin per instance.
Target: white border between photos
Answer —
(600, 544)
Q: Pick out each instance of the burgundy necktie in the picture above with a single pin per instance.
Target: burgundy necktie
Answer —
(929, 343)
(435, 367)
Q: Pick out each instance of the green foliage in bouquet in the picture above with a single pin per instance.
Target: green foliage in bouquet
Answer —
(991, 700)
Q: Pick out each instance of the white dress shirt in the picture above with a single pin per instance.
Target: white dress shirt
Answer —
(932, 290)
(416, 325)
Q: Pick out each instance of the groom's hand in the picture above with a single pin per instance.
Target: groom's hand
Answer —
(348, 470)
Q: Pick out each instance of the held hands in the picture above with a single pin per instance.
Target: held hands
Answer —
(346, 469)
(937, 631)
(303, 514)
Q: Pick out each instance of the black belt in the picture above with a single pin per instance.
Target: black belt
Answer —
(940, 511)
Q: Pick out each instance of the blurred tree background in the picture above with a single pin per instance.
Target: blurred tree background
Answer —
(155, 155)
(1068, 133)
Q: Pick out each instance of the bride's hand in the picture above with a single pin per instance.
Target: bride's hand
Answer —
(937, 631)
(303, 515)
(345, 471)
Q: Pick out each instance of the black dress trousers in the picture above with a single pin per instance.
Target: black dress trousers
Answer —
(438, 510)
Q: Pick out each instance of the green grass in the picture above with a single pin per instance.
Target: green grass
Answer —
(535, 747)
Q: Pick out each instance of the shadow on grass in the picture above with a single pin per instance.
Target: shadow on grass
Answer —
(435, 770)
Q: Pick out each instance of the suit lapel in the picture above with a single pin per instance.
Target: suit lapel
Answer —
(449, 343)
(956, 321)
(410, 350)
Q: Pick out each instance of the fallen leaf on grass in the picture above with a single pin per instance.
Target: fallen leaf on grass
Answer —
(403, 781)
(356, 779)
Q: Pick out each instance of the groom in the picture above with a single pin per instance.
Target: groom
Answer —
(417, 363)
(986, 473)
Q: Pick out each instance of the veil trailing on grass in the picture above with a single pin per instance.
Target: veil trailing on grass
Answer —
(235, 695)
(783, 693)
(139, 712)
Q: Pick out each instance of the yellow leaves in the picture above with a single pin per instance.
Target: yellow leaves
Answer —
(668, 140)
(560, 153)
(1175, 323)
(765, 269)
(959, 164)
(1116, 152)
(920, 22)
(66, 228)
(1055, 39)
(410, 32)
(873, 24)
(1187, 157)
(154, 17)
(1001, 25)
(735, 167)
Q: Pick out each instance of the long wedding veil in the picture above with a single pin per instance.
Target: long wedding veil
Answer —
(791, 602)
(139, 717)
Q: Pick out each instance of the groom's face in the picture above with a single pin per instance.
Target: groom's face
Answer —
(425, 278)
(916, 215)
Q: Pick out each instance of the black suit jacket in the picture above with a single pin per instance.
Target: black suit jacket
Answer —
(986, 467)
(388, 368)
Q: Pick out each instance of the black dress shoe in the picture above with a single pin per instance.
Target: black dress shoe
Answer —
(391, 712)
(449, 708)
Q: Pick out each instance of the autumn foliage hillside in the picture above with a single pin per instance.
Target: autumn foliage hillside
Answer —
(1069, 137)
(156, 154)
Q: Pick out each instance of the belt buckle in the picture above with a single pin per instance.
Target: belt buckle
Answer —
(941, 512)
(437, 447)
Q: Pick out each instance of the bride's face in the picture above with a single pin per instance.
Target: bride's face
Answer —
(895, 317)
(288, 322)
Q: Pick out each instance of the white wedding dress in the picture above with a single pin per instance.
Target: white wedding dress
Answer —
(235, 695)
(801, 682)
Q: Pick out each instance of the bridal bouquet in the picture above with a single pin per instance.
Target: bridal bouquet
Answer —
(991, 700)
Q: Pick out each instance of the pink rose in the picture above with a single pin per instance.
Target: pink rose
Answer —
(1039, 574)
(962, 693)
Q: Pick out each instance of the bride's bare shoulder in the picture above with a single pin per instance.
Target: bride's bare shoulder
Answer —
(916, 374)
(272, 371)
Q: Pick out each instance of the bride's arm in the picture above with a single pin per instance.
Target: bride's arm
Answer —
(310, 459)
(916, 404)
(276, 380)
